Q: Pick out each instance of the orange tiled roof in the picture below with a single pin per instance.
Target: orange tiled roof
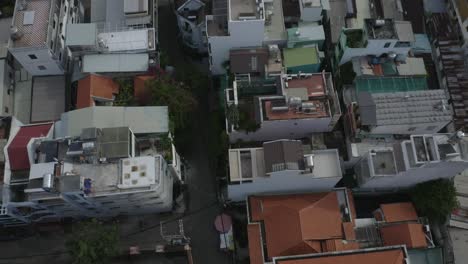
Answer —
(255, 244)
(95, 86)
(393, 256)
(399, 212)
(409, 234)
(295, 223)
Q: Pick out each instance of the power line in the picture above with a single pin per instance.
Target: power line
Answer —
(126, 236)
(173, 219)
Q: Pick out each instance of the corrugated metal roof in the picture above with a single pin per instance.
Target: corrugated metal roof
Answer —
(404, 108)
(141, 120)
(391, 84)
(17, 150)
(367, 109)
(282, 155)
(115, 62)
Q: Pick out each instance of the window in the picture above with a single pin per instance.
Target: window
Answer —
(32, 57)
(401, 44)
(42, 67)
(412, 129)
(253, 63)
(6, 109)
(387, 44)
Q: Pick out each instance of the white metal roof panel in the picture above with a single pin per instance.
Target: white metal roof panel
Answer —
(115, 63)
(141, 120)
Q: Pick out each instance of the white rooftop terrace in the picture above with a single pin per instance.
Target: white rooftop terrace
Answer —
(127, 40)
(248, 163)
(128, 175)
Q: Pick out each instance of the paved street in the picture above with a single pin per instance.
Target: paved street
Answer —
(201, 181)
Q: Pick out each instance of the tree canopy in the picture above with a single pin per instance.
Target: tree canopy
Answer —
(176, 96)
(435, 199)
(93, 242)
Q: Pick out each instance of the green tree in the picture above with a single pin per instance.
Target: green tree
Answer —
(435, 199)
(125, 95)
(93, 242)
(176, 96)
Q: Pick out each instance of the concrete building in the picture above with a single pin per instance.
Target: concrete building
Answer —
(6, 89)
(388, 165)
(244, 24)
(256, 64)
(38, 34)
(379, 37)
(292, 107)
(120, 37)
(88, 171)
(192, 26)
(281, 166)
(313, 10)
(306, 34)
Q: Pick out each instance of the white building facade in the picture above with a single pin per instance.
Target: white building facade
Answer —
(403, 164)
(38, 33)
(281, 166)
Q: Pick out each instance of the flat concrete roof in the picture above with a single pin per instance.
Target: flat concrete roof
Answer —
(275, 29)
(48, 98)
(115, 62)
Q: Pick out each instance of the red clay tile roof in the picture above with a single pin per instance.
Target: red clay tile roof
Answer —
(409, 234)
(393, 256)
(17, 150)
(399, 212)
(95, 86)
(293, 223)
(140, 92)
(331, 245)
(255, 244)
